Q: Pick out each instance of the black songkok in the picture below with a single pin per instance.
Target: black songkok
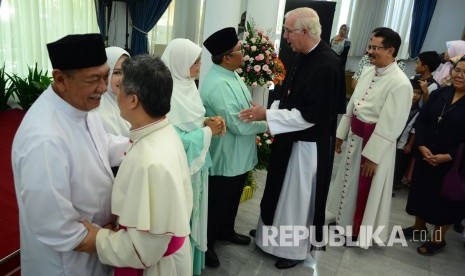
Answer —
(77, 51)
(222, 41)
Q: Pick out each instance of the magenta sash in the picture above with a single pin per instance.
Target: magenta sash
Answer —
(174, 245)
(363, 130)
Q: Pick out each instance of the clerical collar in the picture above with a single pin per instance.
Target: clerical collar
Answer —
(380, 71)
(313, 48)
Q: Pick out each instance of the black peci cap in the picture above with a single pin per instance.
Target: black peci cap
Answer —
(77, 51)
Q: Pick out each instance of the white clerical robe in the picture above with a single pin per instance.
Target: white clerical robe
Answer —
(295, 205)
(152, 197)
(383, 98)
(62, 161)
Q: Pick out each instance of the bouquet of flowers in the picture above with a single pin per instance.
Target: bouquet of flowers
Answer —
(262, 67)
(263, 142)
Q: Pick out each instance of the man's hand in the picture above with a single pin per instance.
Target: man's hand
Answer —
(88, 244)
(369, 168)
(338, 145)
(255, 113)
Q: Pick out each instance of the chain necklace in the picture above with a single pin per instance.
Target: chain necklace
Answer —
(440, 118)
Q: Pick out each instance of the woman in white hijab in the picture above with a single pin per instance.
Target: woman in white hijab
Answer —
(187, 114)
(108, 109)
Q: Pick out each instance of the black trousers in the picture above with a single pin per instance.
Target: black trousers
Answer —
(224, 194)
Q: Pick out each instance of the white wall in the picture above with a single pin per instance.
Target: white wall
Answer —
(448, 23)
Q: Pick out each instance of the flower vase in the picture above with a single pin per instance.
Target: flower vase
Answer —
(260, 95)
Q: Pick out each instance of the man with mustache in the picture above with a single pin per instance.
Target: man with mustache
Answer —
(376, 115)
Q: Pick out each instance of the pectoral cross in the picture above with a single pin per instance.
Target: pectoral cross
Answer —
(439, 119)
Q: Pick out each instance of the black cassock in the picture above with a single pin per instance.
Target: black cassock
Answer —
(315, 86)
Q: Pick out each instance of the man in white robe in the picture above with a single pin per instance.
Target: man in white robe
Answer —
(361, 193)
(152, 195)
(62, 160)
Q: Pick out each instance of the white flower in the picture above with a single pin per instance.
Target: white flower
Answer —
(246, 58)
(268, 141)
(243, 79)
(257, 68)
(239, 70)
(246, 34)
(254, 84)
(253, 48)
(265, 67)
(253, 40)
(263, 40)
(265, 135)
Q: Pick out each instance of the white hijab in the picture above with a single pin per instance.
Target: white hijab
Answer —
(187, 111)
(108, 109)
(454, 48)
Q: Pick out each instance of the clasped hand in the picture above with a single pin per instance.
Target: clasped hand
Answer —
(433, 159)
(216, 124)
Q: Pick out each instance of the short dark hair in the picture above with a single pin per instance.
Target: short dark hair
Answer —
(415, 84)
(430, 59)
(390, 38)
(149, 79)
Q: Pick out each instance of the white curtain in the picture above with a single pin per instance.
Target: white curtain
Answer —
(161, 33)
(27, 26)
(182, 19)
(399, 18)
(188, 20)
(364, 16)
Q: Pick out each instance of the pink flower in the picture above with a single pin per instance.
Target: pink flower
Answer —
(260, 33)
(263, 48)
(267, 52)
(264, 67)
(257, 68)
(248, 69)
(247, 46)
(264, 40)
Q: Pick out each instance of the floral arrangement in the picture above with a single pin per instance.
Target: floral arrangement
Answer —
(263, 142)
(262, 67)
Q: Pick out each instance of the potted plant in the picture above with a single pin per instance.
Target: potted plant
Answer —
(27, 90)
(6, 90)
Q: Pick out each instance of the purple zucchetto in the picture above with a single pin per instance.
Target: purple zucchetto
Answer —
(221, 41)
(77, 51)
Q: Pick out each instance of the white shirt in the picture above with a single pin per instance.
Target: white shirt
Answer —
(62, 162)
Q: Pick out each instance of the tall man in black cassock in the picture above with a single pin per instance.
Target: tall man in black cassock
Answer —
(303, 121)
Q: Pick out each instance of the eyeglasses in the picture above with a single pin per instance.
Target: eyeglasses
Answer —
(458, 71)
(375, 48)
(289, 31)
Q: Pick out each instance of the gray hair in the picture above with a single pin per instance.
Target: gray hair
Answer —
(149, 79)
(306, 18)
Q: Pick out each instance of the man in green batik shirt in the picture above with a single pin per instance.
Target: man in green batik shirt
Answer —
(225, 94)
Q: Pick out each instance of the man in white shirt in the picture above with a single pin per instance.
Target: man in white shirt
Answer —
(62, 160)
